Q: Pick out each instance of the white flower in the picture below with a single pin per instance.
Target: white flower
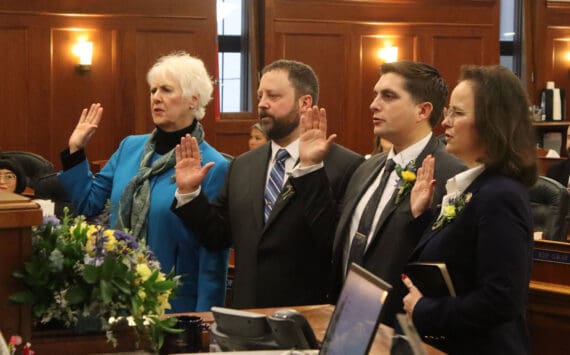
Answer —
(56, 260)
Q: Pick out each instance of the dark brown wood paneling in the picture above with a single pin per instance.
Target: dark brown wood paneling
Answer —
(14, 97)
(71, 90)
(443, 33)
(47, 93)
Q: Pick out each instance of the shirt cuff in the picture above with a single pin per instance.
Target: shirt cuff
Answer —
(182, 199)
(299, 171)
(69, 160)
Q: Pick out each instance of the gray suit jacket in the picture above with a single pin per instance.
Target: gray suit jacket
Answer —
(394, 238)
(285, 261)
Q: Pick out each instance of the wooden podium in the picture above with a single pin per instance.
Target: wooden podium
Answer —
(17, 215)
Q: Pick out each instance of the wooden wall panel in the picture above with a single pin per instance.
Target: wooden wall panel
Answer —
(548, 47)
(444, 33)
(47, 94)
(325, 53)
(461, 50)
(14, 94)
(71, 91)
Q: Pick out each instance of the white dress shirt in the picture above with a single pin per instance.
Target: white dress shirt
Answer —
(402, 159)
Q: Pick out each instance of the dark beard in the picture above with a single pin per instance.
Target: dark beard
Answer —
(280, 127)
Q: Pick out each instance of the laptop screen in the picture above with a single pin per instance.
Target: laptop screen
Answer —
(354, 321)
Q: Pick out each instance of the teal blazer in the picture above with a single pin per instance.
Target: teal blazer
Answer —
(175, 245)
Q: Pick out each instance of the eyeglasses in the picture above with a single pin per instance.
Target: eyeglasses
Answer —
(8, 176)
(452, 114)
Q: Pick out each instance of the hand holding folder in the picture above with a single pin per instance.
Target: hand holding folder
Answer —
(432, 279)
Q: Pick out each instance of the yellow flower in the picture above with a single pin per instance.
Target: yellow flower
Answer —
(163, 303)
(142, 294)
(90, 245)
(144, 271)
(449, 211)
(160, 277)
(408, 176)
(111, 242)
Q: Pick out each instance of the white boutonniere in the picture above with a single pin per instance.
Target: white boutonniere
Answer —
(451, 209)
(406, 180)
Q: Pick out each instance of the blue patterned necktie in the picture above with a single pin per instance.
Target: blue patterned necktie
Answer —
(275, 182)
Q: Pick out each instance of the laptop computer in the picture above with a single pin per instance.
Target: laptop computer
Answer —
(354, 321)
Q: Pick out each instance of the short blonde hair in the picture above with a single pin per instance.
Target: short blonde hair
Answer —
(191, 74)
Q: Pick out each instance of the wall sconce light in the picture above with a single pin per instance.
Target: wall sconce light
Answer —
(388, 54)
(84, 50)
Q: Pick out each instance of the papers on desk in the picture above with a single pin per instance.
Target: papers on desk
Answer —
(3, 346)
(47, 206)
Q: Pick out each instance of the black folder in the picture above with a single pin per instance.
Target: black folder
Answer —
(432, 279)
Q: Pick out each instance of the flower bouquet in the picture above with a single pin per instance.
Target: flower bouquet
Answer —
(79, 270)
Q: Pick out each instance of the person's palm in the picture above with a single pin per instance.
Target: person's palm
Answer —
(421, 195)
(189, 170)
(85, 128)
(313, 142)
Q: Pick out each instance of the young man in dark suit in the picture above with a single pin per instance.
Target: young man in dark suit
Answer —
(282, 247)
(374, 229)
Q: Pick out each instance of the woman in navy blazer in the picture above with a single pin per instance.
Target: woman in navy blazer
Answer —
(484, 230)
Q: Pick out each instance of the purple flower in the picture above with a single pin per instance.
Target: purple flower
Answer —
(53, 220)
(132, 243)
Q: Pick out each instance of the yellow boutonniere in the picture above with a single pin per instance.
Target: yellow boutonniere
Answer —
(451, 209)
(406, 180)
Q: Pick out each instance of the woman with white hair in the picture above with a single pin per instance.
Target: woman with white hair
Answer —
(139, 179)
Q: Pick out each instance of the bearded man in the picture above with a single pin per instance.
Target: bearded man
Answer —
(282, 247)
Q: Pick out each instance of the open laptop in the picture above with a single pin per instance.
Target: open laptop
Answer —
(354, 321)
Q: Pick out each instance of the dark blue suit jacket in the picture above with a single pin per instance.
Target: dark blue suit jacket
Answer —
(488, 251)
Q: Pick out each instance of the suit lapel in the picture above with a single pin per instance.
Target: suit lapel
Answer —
(430, 233)
(391, 206)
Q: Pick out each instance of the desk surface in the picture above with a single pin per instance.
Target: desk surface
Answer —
(318, 317)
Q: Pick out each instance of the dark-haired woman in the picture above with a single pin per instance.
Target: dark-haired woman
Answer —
(12, 179)
(484, 230)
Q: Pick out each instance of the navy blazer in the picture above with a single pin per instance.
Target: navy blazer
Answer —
(488, 251)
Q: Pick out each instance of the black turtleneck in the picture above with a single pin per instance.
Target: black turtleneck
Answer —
(164, 142)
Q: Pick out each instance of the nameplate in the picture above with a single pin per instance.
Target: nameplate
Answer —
(551, 256)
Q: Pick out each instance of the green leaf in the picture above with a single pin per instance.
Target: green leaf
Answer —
(107, 268)
(122, 285)
(164, 285)
(106, 291)
(39, 310)
(91, 274)
(24, 297)
(76, 295)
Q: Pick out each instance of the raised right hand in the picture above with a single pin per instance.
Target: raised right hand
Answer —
(85, 128)
(189, 170)
(313, 142)
(421, 196)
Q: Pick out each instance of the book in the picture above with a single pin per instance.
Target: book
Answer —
(432, 279)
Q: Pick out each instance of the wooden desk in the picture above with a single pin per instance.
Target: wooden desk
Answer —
(318, 317)
(17, 215)
(549, 298)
